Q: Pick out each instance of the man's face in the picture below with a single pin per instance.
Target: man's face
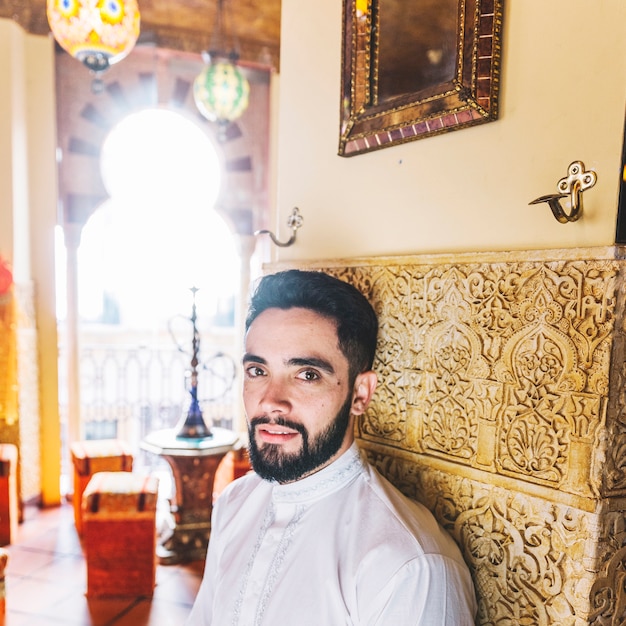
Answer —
(297, 394)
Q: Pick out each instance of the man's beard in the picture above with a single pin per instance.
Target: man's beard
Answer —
(270, 462)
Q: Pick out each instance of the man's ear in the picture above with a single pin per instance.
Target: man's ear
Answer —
(364, 387)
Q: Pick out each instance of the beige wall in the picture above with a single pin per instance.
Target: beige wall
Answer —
(562, 99)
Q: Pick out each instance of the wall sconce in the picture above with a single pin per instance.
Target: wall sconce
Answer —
(294, 222)
(572, 186)
(98, 34)
(221, 91)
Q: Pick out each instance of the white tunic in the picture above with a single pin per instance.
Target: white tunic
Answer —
(340, 547)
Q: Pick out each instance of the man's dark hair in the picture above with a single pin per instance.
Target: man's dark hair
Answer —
(334, 299)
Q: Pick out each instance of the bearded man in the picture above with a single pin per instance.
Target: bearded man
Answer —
(316, 536)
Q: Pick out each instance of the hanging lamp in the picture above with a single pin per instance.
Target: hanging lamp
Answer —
(221, 91)
(98, 33)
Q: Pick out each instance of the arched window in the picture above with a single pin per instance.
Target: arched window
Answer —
(159, 234)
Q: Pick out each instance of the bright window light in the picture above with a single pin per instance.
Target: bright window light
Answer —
(159, 234)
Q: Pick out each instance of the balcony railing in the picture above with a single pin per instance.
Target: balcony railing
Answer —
(132, 384)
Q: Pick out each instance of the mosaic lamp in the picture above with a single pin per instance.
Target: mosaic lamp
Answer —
(98, 33)
(221, 91)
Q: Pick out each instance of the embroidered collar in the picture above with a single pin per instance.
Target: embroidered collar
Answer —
(322, 483)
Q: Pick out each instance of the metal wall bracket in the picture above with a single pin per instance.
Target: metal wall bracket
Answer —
(572, 187)
(294, 222)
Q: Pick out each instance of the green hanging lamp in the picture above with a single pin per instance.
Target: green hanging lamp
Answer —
(221, 90)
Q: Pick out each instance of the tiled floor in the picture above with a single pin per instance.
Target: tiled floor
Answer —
(46, 581)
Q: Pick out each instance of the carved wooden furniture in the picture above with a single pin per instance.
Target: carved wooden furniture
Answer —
(9, 499)
(119, 528)
(194, 464)
(98, 455)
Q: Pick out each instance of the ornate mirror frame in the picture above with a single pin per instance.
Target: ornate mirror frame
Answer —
(468, 96)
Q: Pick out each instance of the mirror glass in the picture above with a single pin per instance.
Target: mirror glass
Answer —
(415, 69)
(407, 62)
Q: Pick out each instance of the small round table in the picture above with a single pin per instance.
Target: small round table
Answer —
(194, 463)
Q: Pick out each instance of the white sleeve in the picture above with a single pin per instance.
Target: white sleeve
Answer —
(431, 590)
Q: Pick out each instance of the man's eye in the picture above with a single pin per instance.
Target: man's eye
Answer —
(309, 375)
(253, 371)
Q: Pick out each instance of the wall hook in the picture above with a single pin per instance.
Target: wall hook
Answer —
(572, 186)
(294, 222)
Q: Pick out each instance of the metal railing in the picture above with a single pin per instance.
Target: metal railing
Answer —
(132, 384)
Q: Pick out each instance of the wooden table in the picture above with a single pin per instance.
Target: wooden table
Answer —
(194, 463)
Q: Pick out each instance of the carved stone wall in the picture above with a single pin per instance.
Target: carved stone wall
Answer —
(29, 478)
(19, 385)
(501, 408)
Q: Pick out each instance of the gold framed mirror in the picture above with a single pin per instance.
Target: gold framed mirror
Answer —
(415, 69)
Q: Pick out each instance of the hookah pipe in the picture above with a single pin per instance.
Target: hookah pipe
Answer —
(193, 425)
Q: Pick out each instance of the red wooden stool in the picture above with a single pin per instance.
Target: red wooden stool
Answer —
(9, 513)
(119, 534)
(97, 455)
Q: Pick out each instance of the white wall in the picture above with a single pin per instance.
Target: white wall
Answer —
(562, 98)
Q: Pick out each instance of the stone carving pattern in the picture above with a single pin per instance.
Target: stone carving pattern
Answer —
(615, 469)
(533, 561)
(27, 430)
(500, 366)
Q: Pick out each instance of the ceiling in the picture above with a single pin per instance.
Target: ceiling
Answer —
(184, 24)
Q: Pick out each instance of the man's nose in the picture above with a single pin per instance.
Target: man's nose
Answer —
(275, 397)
